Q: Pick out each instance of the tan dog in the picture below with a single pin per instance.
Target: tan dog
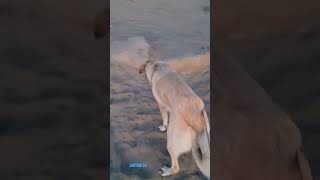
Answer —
(182, 113)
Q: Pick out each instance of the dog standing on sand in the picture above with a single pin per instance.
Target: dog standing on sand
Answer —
(183, 115)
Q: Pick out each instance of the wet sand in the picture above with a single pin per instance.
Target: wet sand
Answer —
(134, 132)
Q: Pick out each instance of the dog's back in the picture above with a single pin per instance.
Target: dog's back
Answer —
(177, 94)
(170, 86)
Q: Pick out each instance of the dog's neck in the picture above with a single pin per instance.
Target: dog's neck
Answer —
(154, 68)
(152, 74)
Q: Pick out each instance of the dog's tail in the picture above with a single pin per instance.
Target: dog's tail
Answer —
(201, 148)
(207, 124)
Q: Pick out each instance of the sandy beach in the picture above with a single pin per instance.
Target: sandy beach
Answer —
(159, 30)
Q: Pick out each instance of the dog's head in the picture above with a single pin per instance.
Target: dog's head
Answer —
(150, 67)
(143, 67)
(100, 23)
(146, 68)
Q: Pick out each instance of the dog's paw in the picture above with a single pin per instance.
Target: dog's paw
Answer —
(164, 168)
(162, 128)
(164, 171)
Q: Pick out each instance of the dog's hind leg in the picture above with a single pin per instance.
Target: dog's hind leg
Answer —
(179, 141)
(165, 118)
(166, 171)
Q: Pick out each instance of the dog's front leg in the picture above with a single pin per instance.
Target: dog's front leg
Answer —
(165, 118)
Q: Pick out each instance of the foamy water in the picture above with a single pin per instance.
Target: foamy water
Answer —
(160, 29)
(132, 52)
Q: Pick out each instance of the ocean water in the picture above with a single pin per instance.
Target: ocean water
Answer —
(163, 28)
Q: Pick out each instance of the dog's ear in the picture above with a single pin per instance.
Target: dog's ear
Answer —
(142, 68)
(100, 23)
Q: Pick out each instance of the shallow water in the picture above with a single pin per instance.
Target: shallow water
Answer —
(171, 27)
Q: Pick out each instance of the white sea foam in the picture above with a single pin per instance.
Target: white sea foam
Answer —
(135, 51)
(131, 53)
